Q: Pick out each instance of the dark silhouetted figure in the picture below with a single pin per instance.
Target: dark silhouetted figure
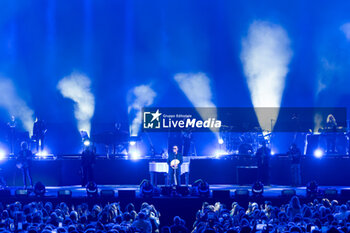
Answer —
(88, 158)
(263, 160)
(39, 131)
(24, 162)
(12, 126)
(294, 154)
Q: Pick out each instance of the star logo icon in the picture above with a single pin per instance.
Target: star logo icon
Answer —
(156, 115)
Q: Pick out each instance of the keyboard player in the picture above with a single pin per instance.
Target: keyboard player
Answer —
(331, 129)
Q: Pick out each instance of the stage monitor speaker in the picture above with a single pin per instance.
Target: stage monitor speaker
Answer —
(107, 193)
(127, 194)
(288, 192)
(64, 193)
(221, 194)
(242, 193)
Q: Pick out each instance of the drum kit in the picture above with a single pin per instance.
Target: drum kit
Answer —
(244, 143)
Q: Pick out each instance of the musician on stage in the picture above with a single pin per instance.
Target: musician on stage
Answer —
(24, 162)
(263, 155)
(294, 154)
(12, 125)
(88, 158)
(174, 161)
(331, 127)
(39, 131)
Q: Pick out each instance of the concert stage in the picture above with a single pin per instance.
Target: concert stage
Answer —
(231, 170)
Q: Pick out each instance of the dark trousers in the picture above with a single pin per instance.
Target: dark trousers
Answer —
(296, 177)
(87, 174)
(264, 174)
(174, 176)
(26, 173)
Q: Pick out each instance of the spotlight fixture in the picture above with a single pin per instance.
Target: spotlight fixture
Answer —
(132, 143)
(258, 189)
(133, 140)
(86, 142)
(201, 188)
(312, 189)
(85, 138)
(134, 154)
(146, 188)
(39, 189)
(91, 189)
(318, 153)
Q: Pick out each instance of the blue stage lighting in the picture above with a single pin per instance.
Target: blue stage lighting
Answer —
(220, 153)
(87, 142)
(221, 141)
(135, 154)
(318, 153)
(132, 143)
(2, 154)
(42, 154)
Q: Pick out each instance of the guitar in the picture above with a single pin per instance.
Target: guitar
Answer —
(175, 163)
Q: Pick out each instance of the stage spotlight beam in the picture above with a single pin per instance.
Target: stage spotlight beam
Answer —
(15, 105)
(197, 88)
(265, 56)
(139, 97)
(77, 87)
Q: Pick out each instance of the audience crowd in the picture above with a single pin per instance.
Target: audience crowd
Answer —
(317, 216)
